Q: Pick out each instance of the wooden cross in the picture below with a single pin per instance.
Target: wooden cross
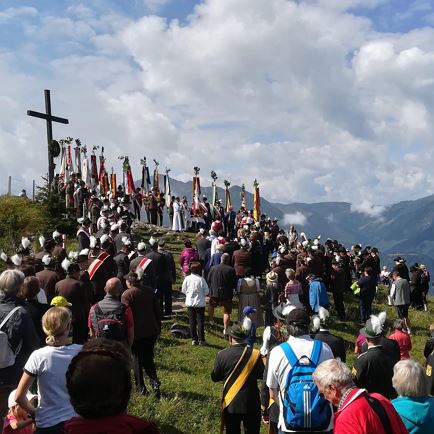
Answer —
(49, 118)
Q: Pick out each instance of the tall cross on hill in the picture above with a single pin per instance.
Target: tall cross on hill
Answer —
(49, 118)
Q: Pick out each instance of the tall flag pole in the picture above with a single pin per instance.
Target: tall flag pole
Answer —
(156, 184)
(256, 201)
(228, 195)
(243, 197)
(195, 203)
(214, 194)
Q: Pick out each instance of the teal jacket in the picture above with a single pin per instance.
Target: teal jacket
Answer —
(417, 413)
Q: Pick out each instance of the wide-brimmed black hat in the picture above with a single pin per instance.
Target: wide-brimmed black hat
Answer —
(298, 316)
(237, 332)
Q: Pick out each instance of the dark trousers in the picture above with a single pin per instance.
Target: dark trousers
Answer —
(164, 296)
(143, 359)
(251, 423)
(338, 298)
(196, 315)
(154, 216)
(365, 305)
(55, 429)
(136, 211)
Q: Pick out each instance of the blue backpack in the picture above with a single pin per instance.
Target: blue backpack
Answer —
(303, 407)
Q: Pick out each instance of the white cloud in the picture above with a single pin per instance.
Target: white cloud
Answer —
(307, 98)
(368, 208)
(296, 218)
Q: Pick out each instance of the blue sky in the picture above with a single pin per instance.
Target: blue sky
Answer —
(322, 99)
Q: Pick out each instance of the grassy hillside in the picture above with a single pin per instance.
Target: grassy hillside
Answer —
(190, 402)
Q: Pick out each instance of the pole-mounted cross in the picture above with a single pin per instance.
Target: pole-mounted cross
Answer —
(49, 118)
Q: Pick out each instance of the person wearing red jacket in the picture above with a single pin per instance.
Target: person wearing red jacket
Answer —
(358, 412)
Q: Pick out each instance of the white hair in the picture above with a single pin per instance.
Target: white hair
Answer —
(409, 379)
(11, 281)
(335, 372)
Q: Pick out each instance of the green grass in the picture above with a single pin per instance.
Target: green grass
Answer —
(190, 402)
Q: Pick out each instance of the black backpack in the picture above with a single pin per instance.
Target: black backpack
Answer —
(111, 325)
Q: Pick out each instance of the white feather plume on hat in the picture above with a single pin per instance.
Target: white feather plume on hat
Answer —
(247, 324)
(41, 240)
(103, 224)
(93, 242)
(287, 309)
(114, 227)
(152, 241)
(25, 242)
(126, 241)
(65, 264)
(56, 234)
(73, 256)
(46, 259)
(84, 252)
(377, 322)
(3, 256)
(16, 260)
(141, 246)
(104, 239)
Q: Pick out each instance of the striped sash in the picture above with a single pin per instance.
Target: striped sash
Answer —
(96, 263)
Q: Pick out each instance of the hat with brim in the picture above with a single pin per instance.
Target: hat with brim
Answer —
(237, 332)
(298, 316)
(60, 301)
(271, 276)
(368, 331)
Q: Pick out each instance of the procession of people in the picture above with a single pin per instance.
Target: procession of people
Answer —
(107, 299)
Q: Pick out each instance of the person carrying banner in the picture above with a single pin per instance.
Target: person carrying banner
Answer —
(239, 367)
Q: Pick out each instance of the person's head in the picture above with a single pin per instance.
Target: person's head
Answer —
(195, 268)
(396, 275)
(368, 271)
(297, 323)
(14, 408)
(225, 259)
(56, 324)
(290, 273)
(409, 379)
(11, 281)
(30, 288)
(95, 365)
(333, 378)
(113, 287)
(237, 334)
(399, 324)
(187, 243)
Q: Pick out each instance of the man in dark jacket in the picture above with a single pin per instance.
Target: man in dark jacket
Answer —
(222, 282)
(202, 244)
(245, 407)
(337, 286)
(20, 330)
(48, 277)
(169, 277)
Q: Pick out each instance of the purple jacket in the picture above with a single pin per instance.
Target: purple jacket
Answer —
(187, 255)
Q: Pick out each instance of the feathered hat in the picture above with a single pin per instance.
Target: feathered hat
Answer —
(16, 260)
(374, 327)
(320, 319)
(48, 260)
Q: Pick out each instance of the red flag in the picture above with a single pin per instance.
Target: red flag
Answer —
(94, 170)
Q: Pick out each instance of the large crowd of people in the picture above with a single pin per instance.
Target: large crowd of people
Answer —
(77, 322)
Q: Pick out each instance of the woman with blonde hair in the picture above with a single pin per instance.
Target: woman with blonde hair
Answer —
(48, 366)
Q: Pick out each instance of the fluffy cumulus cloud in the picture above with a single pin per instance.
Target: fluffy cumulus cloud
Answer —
(296, 218)
(307, 97)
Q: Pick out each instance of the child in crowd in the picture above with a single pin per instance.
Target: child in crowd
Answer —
(98, 396)
(401, 336)
(249, 325)
(17, 420)
(360, 340)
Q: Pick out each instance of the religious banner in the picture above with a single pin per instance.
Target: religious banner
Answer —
(243, 198)
(129, 176)
(103, 175)
(77, 156)
(113, 184)
(156, 181)
(146, 179)
(167, 192)
(85, 172)
(228, 196)
(256, 201)
(195, 203)
(62, 171)
(94, 168)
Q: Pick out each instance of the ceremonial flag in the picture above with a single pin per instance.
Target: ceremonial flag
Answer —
(167, 192)
(62, 171)
(196, 195)
(85, 175)
(94, 171)
(243, 197)
(256, 201)
(69, 160)
(113, 184)
(129, 175)
(103, 180)
(156, 183)
(228, 197)
(77, 153)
